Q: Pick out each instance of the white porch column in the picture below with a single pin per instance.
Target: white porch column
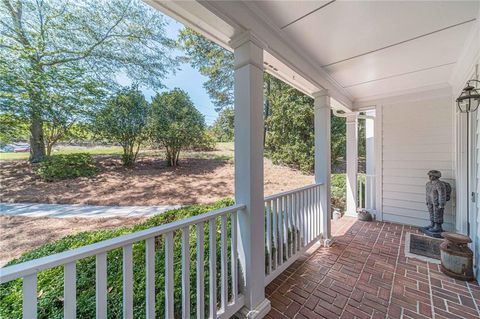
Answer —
(249, 172)
(370, 161)
(352, 164)
(322, 115)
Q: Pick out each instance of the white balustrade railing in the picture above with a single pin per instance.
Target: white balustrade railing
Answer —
(225, 305)
(365, 191)
(292, 224)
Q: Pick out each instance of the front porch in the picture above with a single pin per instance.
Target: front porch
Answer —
(249, 259)
(365, 274)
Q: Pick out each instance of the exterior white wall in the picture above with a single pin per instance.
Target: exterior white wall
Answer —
(417, 136)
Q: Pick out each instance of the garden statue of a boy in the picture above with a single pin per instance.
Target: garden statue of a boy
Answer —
(437, 195)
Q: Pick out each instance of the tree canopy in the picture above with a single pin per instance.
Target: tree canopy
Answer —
(223, 126)
(212, 61)
(289, 127)
(87, 41)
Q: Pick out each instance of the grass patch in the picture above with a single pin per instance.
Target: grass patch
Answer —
(223, 151)
(50, 282)
(66, 150)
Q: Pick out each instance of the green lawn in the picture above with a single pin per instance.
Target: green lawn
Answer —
(107, 150)
(224, 151)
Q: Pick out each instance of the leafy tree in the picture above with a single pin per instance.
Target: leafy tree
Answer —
(212, 61)
(175, 123)
(102, 39)
(123, 121)
(12, 127)
(223, 126)
(290, 138)
(339, 138)
(296, 148)
(70, 98)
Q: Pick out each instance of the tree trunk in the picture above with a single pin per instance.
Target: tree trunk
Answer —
(49, 148)
(37, 143)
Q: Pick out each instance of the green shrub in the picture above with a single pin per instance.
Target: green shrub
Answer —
(339, 191)
(205, 142)
(50, 282)
(67, 166)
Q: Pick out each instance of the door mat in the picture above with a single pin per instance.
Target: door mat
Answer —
(423, 247)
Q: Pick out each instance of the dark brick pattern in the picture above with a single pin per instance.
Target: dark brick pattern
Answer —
(365, 274)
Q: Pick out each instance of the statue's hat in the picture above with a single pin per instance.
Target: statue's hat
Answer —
(435, 173)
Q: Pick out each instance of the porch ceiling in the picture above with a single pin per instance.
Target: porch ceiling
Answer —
(357, 50)
(376, 48)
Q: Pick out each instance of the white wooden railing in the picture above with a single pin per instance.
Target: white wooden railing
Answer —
(230, 300)
(293, 224)
(365, 191)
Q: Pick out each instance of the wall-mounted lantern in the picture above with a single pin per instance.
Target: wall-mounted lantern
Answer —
(469, 100)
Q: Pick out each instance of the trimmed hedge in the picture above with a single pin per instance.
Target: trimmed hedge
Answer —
(66, 166)
(50, 282)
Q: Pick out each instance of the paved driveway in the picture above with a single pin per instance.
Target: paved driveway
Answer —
(82, 211)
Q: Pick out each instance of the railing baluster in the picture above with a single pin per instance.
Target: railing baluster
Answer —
(70, 290)
(150, 277)
(200, 272)
(273, 203)
(315, 216)
(212, 232)
(292, 223)
(295, 222)
(101, 285)
(280, 227)
(127, 282)
(310, 207)
(319, 210)
(287, 222)
(302, 219)
(223, 264)
(169, 279)
(315, 213)
(268, 236)
(185, 273)
(306, 216)
(234, 257)
(29, 292)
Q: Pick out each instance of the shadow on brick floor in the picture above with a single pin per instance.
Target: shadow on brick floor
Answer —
(365, 274)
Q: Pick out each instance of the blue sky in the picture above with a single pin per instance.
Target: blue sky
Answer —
(188, 79)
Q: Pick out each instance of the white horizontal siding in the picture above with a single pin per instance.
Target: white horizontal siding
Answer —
(416, 137)
(405, 172)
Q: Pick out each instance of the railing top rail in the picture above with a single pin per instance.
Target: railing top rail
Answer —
(33, 266)
(292, 191)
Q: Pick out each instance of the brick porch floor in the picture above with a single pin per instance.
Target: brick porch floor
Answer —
(365, 274)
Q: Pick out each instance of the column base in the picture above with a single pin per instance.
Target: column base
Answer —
(351, 214)
(259, 312)
(327, 242)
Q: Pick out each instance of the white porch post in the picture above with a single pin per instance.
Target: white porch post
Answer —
(352, 164)
(248, 54)
(322, 115)
(370, 161)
